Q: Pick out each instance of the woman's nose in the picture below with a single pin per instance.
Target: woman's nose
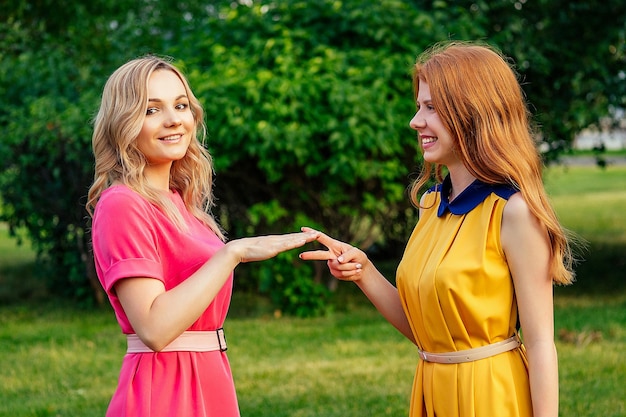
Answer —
(172, 118)
(417, 122)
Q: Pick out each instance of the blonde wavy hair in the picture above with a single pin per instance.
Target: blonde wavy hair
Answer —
(479, 100)
(118, 160)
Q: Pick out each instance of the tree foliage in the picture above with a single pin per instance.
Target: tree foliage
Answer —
(570, 55)
(307, 108)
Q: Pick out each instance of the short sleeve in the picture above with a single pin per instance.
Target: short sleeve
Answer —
(124, 238)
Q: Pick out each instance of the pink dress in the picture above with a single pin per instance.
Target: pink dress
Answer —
(133, 238)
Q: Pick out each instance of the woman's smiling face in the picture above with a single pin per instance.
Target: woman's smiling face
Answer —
(435, 140)
(169, 122)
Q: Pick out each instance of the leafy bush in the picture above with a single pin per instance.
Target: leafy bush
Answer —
(307, 106)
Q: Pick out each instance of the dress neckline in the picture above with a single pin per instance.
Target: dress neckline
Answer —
(470, 197)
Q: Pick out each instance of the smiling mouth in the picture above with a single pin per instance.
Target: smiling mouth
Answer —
(171, 138)
(428, 139)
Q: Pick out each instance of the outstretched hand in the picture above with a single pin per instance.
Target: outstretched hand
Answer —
(260, 248)
(344, 261)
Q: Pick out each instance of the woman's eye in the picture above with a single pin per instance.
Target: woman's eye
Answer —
(182, 106)
(151, 110)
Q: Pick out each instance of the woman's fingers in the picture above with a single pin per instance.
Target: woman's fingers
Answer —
(287, 241)
(341, 251)
(302, 237)
(317, 255)
(260, 248)
(347, 271)
(345, 267)
(337, 247)
(349, 253)
(342, 259)
(324, 239)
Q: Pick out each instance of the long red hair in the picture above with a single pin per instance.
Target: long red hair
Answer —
(480, 102)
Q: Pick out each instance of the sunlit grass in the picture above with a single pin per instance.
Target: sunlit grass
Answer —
(57, 361)
(590, 200)
(315, 367)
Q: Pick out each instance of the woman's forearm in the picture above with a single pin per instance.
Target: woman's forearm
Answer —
(384, 296)
(544, 379)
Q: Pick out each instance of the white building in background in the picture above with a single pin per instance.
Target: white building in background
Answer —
(612, 140)
(612, 137)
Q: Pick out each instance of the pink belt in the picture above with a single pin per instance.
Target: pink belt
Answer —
(190, 341)
(470, 355)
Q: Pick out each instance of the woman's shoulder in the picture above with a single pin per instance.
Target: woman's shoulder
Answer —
(516, 212)
(120, 199)
(430, 195)
(119, 193)
(516, 205)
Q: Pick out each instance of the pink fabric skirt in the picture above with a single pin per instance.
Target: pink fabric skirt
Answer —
(174, 384)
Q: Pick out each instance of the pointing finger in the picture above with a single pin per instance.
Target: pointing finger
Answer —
(317, 255)
(323, 238)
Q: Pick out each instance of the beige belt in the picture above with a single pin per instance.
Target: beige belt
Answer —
(190, 341)
(470, 355)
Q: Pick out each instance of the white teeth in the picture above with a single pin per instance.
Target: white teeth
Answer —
(173, 137)
(429, 140)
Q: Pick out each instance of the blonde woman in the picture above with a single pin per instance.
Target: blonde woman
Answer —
(484, 255)
(159, 253)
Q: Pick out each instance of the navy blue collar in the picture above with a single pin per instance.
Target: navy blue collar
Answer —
(471, 196)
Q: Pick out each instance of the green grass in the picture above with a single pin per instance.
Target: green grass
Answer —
(349, 364)
(58, 360)
(592, 202)
(590, 316)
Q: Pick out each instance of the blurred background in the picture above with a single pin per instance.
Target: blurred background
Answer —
(307, 107)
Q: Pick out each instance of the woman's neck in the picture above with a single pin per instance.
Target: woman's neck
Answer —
(460, 179)
(158, 176)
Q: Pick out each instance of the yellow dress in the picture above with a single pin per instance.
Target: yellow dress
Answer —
(457, 292)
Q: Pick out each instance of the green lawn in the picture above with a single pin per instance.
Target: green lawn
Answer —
(60, 360)
(590, 316)
(592, 202)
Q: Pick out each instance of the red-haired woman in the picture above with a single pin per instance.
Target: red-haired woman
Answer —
(481, 262)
